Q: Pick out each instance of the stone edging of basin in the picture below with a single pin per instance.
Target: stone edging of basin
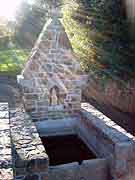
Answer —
(30, 160)
(108, 140)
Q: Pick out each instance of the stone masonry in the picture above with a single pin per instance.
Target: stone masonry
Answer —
(6, 171)
(30, 161)
(112, 92)
(108, 140)
(51, 87)
(22, 155)
(52, 77)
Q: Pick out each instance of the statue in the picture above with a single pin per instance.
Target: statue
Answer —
(54, 97)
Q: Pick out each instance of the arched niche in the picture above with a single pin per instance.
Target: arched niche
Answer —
(54, 96)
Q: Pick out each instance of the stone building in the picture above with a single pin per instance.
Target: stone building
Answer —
(52, 77)
(51, 88)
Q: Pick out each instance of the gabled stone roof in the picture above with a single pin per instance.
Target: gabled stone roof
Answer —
(52, 54)
(54, 36)
(52, 75)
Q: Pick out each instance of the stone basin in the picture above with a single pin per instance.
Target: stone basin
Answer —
(66, 149)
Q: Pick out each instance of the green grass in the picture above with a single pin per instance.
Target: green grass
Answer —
(12, 60)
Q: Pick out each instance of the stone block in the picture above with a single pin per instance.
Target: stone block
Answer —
(44, 176)
(20, 172)
(91, 169)
(4, 114)
(31, 166)
(124, 151)
(32, 177)
(19, 177)
(6, 174)
(42, 165)
(3, 106)
(120, 168)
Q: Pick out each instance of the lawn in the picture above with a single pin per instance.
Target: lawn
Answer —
(13, 60)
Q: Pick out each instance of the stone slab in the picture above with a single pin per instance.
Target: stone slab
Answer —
(90, 169)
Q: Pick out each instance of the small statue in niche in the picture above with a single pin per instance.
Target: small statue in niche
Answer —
(54, 96)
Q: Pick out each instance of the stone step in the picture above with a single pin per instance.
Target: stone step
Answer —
(46, 116)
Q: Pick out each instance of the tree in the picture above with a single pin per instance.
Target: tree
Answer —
(5, 33)
(29, 23)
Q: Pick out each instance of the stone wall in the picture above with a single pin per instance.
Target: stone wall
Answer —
(8, 79)
(30, 160)
(112, 93)
(108, 140)
(52, 77)
(22, 155)
(6, 167)
(103, 136)
(59, 127)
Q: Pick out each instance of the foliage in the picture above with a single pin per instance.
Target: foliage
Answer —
(98, 31)
(12, 60)
(29, 22)
(5, 33)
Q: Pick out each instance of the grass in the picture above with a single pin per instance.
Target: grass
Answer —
(12, 60)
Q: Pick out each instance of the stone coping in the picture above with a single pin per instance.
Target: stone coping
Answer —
(57, 127)
(109, 141)
(28, 151)
(108, 127)
(6, 171)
